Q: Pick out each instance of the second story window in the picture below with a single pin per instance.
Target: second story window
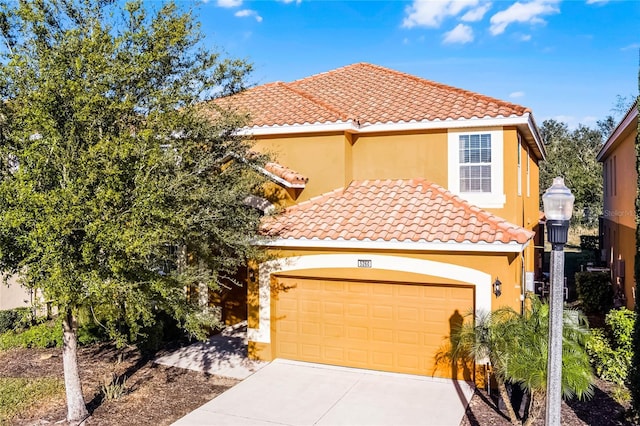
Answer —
(475, 163)
(476, 166)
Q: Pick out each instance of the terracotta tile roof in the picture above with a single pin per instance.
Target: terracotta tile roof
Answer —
(366, 94)
(294, 178)
(414, 210)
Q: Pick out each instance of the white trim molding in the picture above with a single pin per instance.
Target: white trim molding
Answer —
(496, 247)
(495, 199)
(480, 280)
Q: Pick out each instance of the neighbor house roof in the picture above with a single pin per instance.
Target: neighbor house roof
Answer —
(364, 97)
(626, 126)
(413, 211)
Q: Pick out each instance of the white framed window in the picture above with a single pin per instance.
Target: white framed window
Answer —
(476, 166)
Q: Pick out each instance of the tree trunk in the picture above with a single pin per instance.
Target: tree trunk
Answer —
(536, 408)
(507, 401)
(76, 407)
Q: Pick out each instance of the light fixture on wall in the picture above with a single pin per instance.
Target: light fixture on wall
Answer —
(497, 287)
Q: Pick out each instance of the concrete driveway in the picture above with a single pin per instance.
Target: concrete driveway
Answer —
(297, 393)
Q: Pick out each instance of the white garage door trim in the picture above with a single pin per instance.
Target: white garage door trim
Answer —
(480, 280)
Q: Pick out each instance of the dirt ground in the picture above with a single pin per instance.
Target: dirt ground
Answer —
(156, 395)
(159, 395)
(601, 410)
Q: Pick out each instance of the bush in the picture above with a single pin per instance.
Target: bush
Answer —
(90, 333)
(589, 242)
(606, 361)
(14, 319)
(45, 335)
(621, 322)
(611, 351)
(594, 291)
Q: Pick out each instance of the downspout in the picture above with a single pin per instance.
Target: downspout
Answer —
(523, 281)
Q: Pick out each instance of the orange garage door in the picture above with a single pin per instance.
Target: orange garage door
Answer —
(384, 326)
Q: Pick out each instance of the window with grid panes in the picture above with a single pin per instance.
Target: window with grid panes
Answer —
(475, 163)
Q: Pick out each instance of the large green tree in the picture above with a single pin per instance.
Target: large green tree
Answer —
(116, 192)
(572, 155)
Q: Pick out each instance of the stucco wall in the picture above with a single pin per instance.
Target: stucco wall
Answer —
(13, 295)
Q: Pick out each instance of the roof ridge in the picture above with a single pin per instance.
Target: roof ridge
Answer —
(312, 76)
(316, 101)
(423, 80)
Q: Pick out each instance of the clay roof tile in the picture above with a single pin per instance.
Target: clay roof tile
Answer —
(399, 210)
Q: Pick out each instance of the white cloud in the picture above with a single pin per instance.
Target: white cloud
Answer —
(245, 13)
(525, 37)
(515, 95)
(460, 34)
(632, 46)
(291, 1)
(475, 15)
(424, 13)
(597, 1)
(229, 3)
(530, 12)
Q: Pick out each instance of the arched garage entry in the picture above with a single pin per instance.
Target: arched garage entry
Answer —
(387, 325)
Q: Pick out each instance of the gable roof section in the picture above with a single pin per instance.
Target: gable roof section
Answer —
(371, 94)
(627, 125)
(364, 97)
(408, 214)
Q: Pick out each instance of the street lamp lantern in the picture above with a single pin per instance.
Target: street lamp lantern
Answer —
(558, 201)
(558, 209)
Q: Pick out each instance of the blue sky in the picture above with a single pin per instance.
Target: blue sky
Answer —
(567, 60)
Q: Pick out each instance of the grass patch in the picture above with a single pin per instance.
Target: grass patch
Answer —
(18, 395)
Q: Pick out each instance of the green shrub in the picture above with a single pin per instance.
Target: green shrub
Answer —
(45, 335)
(606, 361)
(611, 352)
(91, 333)
(114, 387)
(620, 323)
(594, 291)
(589, 242)
(14, 319)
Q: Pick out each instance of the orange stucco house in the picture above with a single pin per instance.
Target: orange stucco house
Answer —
(406, 200)
(618, 227)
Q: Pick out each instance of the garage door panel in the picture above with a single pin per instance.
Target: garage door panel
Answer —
(355, 310)
(382, 312)
(358, 333)
(384, 326)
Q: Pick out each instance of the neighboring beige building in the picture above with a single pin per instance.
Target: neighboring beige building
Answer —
(13, 295)
(618, 224)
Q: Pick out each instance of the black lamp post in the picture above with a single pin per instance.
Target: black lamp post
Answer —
(558, 208)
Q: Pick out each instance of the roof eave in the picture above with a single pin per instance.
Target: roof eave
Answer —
(620, 129)
(352, 127)
(495, 247)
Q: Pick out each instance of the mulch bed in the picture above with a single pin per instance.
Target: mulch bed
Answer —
(601, 410)
(160, 395)
(156, 394)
